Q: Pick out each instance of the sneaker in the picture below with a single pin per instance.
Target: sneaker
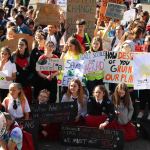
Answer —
(140, 115)
(148, 117)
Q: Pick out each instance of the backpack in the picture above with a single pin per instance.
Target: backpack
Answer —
(27, 143)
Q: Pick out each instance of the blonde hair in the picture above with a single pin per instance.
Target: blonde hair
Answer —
(21, 95)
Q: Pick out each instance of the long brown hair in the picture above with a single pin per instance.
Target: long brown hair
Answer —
(80, 91)
(116, 97)
(76, 43)
(97, 39)
(103, 89)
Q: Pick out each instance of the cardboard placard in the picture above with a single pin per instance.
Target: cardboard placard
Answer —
(115, 11)
(47, 14)
(104, 6)
(118, 67)
(13, 44)
(53, 113)
(80, 9)
(52, 64)
(92, 137)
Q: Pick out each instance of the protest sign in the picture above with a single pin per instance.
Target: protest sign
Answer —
(129, 15)
(62, 4)
(73, 69)
(77, 9)
(13, 44)
(92, 137)
(53, 113)
(118, 67)
(93, 61)
(51, 64)
(141, 72)
(104, 6)
(47, 14)
(115, 11)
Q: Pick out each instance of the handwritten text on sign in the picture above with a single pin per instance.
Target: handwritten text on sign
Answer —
(115, 11)
(93, 62)
(141, 73)
(118, 70)
(92, 137)
(73, 69)
(53, 64)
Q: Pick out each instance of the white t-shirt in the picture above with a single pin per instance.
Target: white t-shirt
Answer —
(51, 38)
(8, 69)
(16, 113)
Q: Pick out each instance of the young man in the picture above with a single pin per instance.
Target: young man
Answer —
(81, 36)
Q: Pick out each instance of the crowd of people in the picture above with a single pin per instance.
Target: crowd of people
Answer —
(98, 106)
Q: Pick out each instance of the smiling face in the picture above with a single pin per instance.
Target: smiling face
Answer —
(98, 94)
(73, 87)
(14, 91)
(43, 98)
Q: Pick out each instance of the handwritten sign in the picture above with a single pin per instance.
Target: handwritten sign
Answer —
(47, 14)
(80, 9)
(115, 11)
(129, 15)
(93, 61)
(141, 72)
(118, 67)
(73, 69)
(53, 113)
(13, 44)
(92, 137)
(53, 64)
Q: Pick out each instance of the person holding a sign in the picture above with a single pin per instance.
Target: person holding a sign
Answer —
(7, 72)
(94, 78)
(100, 109)
(49, 80)
(76, 93)
(124, 110)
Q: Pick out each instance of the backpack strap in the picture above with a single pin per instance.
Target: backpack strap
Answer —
(87, 38)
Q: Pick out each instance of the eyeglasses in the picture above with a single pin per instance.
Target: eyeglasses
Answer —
(15, 105)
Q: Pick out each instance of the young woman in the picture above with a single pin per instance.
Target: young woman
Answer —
(37, 51)
(100, 109)
(48, 78)
(76, 93)
(94, 78)
(21, 58)
(72, 49)
(16, 103)
(7, 70)
(124, 110)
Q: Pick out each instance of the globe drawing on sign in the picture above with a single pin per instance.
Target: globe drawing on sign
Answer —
(2, 124)
(42, 62)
